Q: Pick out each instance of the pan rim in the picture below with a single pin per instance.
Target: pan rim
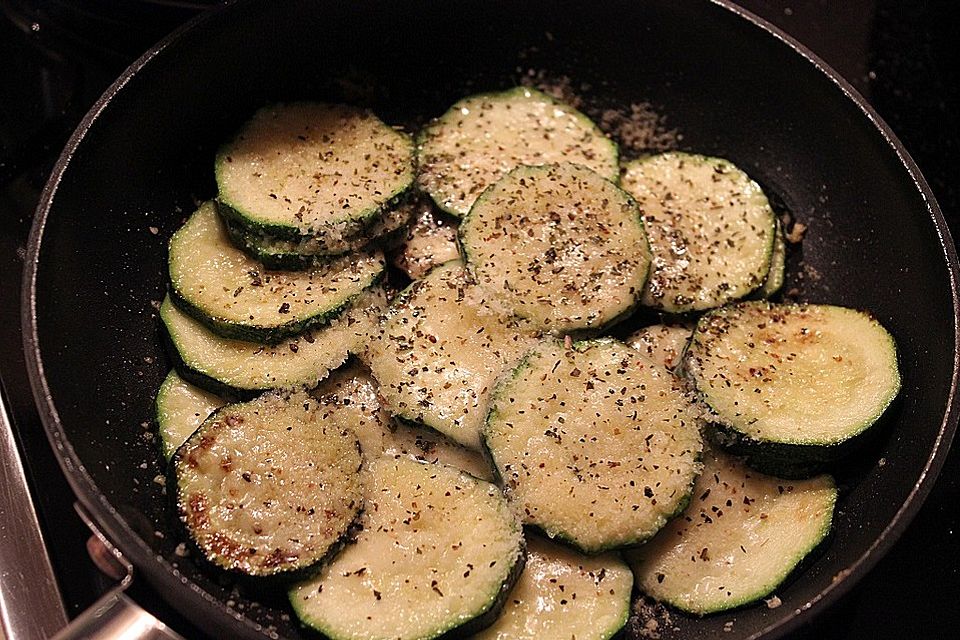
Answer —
(161, 573)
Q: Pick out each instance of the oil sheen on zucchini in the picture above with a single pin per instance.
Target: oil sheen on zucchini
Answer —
(742, 534)
(222, 365)
(316, 170)
(266, 487)
(798, 378)
(237, 297)
(181, 408)
(595, 444)
(439, 551)
(564, 594)
(710, 226)
(558, 244)
(441, 351)
(482, 137)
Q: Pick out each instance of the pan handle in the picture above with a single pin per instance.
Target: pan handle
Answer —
(115, 616)
(30, 604)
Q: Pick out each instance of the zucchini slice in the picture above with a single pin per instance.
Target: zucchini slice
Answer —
(267, 487)
(482, 137)
(662, 343)
(564, 594)
(558, 244)
(795, 381)
(440, 353)
(293, 255)
(778, 267)
(354, 389)
(710, 226)
(309, 169)
(595, 444)
(428, 242)
(236, 297)
(181, 408)
(439, 551)
(742, 534)
(222, 365)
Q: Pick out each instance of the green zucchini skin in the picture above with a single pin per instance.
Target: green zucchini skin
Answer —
(777, 275)
(785, 460)
(244, 369)
(604, 159)
(355, 220)
(433, 327)
(530, 262)
(827, 337)
(205, 268)
(290, 260)
(232, 544)
(741, 538)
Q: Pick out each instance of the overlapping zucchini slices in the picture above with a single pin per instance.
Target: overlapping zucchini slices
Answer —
(474, 376)
(267, 488)
(314, 172)
(439, 551)
(482, 137)
(237, 297)
(710, 226)
(224, 365)
(558, 244)
(180, 408)
(440, 352)
(742, 534)
(595, 444)
(791, 383)
(565, 594)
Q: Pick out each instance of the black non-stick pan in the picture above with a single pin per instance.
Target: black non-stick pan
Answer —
(723, 81)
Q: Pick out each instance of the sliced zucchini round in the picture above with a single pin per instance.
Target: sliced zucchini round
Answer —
(439, 551)
(564, 594)
(806, 377)
(662, 343)
(558, 244)
(710, 226)
(595, 444)
(482, 137)
(293, 255)
(266, 487)
(236, 297)
(440, 353)
(222, 365)
(308, 169)
(742, 534)
(181, 408)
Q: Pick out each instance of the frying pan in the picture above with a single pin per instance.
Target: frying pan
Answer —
(727, 82)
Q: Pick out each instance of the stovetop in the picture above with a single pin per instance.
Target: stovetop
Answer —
(56, 58)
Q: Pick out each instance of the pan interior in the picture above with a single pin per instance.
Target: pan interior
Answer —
(723, 84)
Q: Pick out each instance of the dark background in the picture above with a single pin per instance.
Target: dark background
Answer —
(56, 57)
